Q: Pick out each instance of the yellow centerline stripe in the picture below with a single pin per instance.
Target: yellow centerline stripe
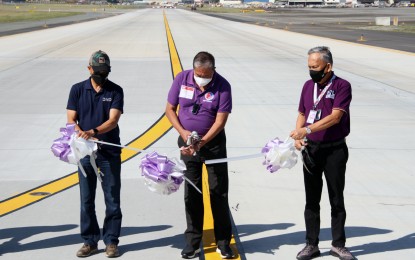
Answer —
(150, 136)
(25, 199)
(176, 65)
(209, 243)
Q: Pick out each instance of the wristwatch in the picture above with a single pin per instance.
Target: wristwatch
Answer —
(308, 130)
(95, 131)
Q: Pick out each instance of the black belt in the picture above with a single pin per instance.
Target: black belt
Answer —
(326, 144)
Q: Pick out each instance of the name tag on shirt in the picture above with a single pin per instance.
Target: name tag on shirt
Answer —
(186, 92)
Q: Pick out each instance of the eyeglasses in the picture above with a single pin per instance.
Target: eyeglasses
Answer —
(195, 108)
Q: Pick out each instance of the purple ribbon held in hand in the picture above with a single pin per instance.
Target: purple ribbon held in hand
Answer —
(279, 154)
(162, 175)
(71, 149)
(61, 147)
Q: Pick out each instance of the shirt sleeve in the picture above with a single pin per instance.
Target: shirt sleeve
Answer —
(343, 97)
(225, 100)
(173, 96)
(73, 98)
(118, 100)
(301, 105)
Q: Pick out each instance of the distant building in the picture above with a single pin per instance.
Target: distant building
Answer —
(230, 2)
(351, 2)
(367, 1)
(312, 2)
(260, 1)
(331, 2)
(305, 2)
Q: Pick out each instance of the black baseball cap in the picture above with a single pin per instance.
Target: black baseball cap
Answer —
(100, 61)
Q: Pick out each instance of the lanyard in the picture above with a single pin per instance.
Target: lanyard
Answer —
(317, 100)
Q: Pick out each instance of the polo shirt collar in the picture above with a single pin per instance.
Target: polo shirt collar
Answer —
(327, 81)
(88, 84)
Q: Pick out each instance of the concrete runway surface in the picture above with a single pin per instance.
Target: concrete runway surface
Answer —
(266, 68)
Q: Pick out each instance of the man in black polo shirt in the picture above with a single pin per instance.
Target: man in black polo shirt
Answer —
(95, 106)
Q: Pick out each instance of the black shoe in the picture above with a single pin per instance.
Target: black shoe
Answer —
(225, 252)
(189, 253)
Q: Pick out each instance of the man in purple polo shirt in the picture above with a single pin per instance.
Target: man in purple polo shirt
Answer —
(205, 101)
(322, 125)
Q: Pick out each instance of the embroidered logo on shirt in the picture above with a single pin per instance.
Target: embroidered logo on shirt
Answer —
(106, 99)
(330, 94)
(209, 96)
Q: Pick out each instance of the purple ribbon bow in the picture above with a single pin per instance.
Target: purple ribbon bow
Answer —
(159, 168)
(60, 146)
(268, 147)
(271, 144)
(279, 154)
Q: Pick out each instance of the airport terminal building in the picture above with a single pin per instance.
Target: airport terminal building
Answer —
(284, 2)
(312, 2)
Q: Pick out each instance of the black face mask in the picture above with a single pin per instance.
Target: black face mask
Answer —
(100, 78)
(317, 75)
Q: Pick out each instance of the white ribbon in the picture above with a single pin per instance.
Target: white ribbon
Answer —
(237, 158)
(118, 145)
(81, 148)
(279, 154)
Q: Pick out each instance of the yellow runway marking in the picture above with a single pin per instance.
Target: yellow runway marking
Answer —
(209, 244)
(176, 65)
(25, 199)
(149, 137)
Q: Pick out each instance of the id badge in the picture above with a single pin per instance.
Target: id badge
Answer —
(186, 92)
(312, 116)
(318, 115)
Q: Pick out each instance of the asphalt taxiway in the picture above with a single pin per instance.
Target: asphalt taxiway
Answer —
(347, 24)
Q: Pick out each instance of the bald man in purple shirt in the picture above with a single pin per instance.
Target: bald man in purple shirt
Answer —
(205, 101)
(322, 125)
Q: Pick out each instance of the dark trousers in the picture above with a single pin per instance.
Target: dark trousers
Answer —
(332, 162)
(111, 186)
(218, 189)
